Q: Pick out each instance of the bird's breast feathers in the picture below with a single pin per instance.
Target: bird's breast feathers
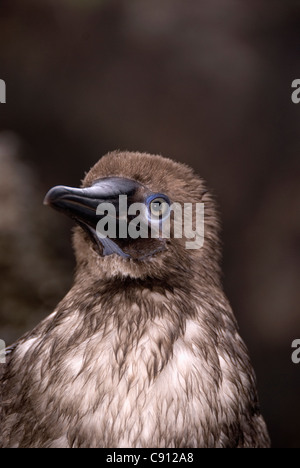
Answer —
(149, 381)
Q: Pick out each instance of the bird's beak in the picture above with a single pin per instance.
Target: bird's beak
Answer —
(81, 204)
(78, 204)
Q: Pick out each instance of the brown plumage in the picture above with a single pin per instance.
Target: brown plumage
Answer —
(144, 350)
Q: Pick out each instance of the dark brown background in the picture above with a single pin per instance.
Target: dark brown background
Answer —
(204, 82)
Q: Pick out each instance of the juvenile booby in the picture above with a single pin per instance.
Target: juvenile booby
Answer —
(144, 350)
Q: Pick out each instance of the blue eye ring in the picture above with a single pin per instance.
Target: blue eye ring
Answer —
(158, 206)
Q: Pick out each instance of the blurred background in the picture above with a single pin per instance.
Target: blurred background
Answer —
(205, 82)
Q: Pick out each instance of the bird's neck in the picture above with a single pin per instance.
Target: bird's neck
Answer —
(130, 299)
(135, 321)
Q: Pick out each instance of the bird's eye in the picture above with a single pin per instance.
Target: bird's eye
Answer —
(159, 207)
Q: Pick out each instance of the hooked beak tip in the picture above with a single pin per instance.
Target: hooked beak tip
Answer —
(46, 201)
(55, 194)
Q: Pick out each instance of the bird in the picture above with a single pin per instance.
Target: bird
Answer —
(144, 351)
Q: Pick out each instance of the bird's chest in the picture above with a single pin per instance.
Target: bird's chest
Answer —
(144, 393)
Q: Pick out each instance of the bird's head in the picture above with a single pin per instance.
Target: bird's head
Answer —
(141, 216)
